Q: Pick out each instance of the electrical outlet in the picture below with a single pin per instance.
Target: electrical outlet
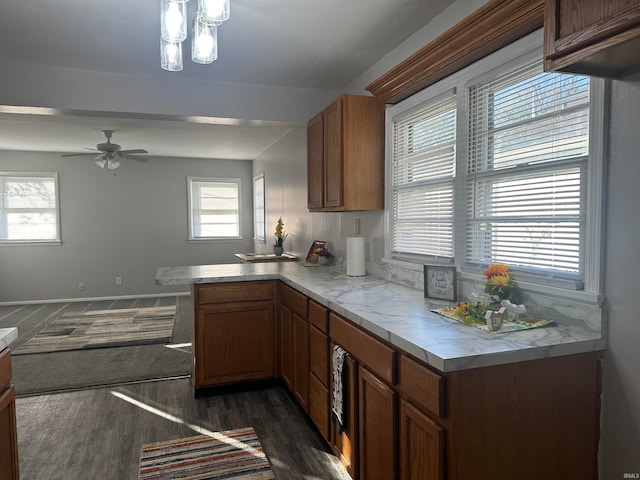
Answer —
(118, 280)
(81, 286)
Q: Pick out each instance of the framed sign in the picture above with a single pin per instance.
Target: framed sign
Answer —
(440, 282)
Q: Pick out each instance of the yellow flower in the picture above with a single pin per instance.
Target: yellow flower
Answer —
(502, 280)
(279, 227)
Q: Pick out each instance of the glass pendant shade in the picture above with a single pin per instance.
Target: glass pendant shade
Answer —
(204, 44)
(112, 164)
(100, 161)
(173, 20)
(171, 55)
(214, 11)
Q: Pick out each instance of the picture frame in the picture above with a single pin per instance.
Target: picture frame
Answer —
(440, 282)
(314, 246)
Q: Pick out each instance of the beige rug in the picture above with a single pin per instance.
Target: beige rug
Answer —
(103, 328)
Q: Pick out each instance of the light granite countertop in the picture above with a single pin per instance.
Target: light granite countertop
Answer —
(7, 336)
(402, 316)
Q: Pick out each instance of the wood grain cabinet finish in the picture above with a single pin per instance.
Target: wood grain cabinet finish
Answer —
(377, 424)
(294, 342)
(422, 445)
(345, 156)
(9, 468)
(592, 37)
(234, 341)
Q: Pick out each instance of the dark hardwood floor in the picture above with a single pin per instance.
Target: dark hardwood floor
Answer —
(97, 433)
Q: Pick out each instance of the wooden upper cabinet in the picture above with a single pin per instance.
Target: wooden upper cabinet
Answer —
(345, 156)
(592, 37)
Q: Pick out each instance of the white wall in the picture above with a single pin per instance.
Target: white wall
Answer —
(125, 225)
(620, 436)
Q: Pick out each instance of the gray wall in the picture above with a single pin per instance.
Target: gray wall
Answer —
(125, 225)
(285, 170)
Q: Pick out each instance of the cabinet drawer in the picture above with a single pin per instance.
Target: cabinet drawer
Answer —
(234, 292)
(425, 388)
(373, 353)
(319, 316)
(294, 300)
(319, 355)
(5, 369)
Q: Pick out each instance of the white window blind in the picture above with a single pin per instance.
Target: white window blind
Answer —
(423, 171)
(527, 171)
(259, 208)
(214, 208)
(29, 208)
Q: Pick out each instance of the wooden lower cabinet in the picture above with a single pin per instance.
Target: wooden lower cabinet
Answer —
(301, 361)
(377, 424)
(319, 406)
(285, 323)
(234, 341)
(8, 428)
(345, 443)
(422, 445)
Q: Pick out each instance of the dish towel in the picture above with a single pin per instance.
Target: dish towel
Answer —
(337, 364)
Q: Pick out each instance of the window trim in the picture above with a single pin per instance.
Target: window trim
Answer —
(256, 235)
(56, 185)
(527, 46)
(190, 237)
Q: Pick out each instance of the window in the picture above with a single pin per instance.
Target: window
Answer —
(423, 171)
(259, 208)
(500, 162)
(214, 208)
(527, 169)
(29, 211)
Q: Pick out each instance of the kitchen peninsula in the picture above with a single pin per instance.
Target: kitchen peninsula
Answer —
(426, 397)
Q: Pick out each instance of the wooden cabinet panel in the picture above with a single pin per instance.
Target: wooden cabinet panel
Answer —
(233, 292)
(319, 355)
(293, 299)
(333, 174)
(345, 443)
(422, 445)
(301, 361)
(592, 37)
(351, 155)
(319, 405)
(422, 386)
(286, 345)
(377, 414)
(234, 343)
(369, 351)
(315, 162)
(319, 316)
(8, 430)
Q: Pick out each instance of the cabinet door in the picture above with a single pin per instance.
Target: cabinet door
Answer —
(319, 405)
(286, 346)
(345, 443)
(421, 445)
(301, 361)
(315, 162)
(378, 444)
(8, 436)
(333, 155)
(234, 343)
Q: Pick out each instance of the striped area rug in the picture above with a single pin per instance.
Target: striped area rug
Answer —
(103, 328)
(233, 454)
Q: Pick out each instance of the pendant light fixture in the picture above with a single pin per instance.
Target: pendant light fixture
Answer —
(173, 31)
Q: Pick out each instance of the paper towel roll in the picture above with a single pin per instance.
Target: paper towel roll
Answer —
(355, 257)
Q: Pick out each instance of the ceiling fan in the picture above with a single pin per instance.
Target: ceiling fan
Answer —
(109, 153)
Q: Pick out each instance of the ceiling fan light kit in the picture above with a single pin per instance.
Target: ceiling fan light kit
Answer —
(173, 31)
(110, 153)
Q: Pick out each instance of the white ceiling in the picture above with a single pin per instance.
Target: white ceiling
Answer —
(322, 44)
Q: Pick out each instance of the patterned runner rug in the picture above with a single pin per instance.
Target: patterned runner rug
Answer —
(233, 454)
(103, 328)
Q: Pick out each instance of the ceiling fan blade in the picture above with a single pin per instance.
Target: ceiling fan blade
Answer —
(139, 150)
(77, 154)
(131, 157)
(89, 148)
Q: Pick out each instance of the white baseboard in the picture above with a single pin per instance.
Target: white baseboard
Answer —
(94, 299)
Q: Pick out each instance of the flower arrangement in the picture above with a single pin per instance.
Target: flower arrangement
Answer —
(499, 281)
(323, 255)
(281, 236)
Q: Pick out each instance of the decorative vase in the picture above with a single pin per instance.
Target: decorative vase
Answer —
(323, 260)
(278, 250)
